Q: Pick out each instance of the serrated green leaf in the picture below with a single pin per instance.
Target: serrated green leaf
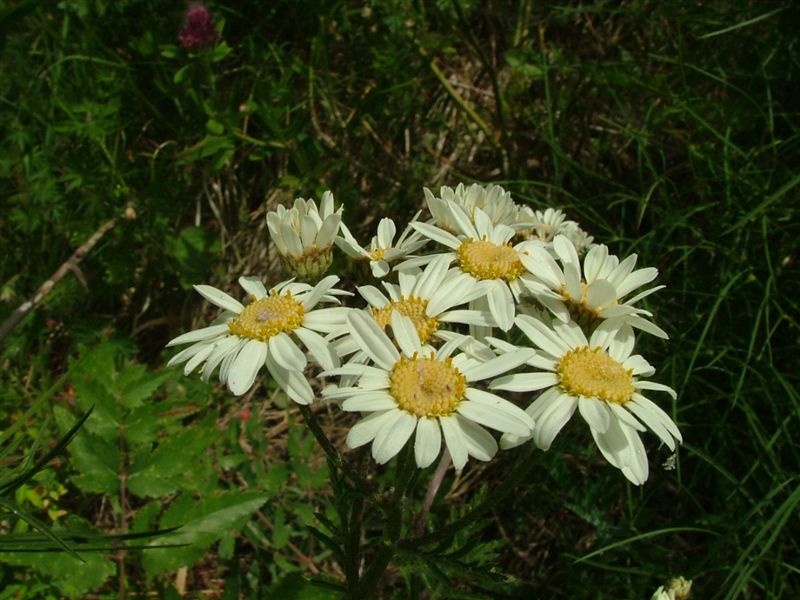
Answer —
(201, 523)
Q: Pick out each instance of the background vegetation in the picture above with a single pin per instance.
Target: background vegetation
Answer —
(669, 129)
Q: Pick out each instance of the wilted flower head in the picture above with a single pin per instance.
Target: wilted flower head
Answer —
(304, 235)
(677, 589)
(198, 30)
(491, 199)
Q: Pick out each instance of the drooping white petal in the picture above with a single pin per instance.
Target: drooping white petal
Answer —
(501, 420)
(245, 367)
(198, 335)
(310, 300)
(501, 305)
(386, 231)
(372, 340)
(552, 421)
(321, 350)
(437, 235)
(393, 436)
(524, 382)
(367, 428)
(377, 401)
(595, 413)
(541, 335)
(665, 419)
(498, 365)
(293, 383)
(454, 439)
(198, 358)
(253, 286)
(660, 387)
(480, 443)
(427, 442)
(286, 353)
(653, 420)
(405, 334)
(219, 298)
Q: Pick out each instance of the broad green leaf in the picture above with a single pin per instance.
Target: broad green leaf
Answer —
(201, 524)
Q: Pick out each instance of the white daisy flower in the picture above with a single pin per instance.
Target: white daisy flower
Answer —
(491, 199)
(546, 225)
(383, 250)
(304, 235)
(601, 379)
(419, 389)
(483, 252)
(595, 293)
(266, 331)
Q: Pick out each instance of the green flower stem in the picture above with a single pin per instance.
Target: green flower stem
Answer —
(523, 465)
(334, 458)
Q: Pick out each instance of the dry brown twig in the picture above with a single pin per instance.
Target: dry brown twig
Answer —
(71, 264)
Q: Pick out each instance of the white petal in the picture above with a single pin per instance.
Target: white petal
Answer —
(427, 442)
(553, 420)
(454, 439)
(432, 276)
(327, 320)
(462, 221)
(253, 286)
(524, 382)
(310, 300)
(367, 428)
(600, 293)
(501, 305)
(379, 268)
(372, 340)
(198, 335)
(198, 358)
(243, 370)
(330, 226)
(652, 385)
(393, 436)
(386, 231)
(653, 421)
(665, 419)
(501, 420)
(286, 353)
(479, 442)
(437, 235)
(542, 335)
(308, 231)
(293, 383)
(498, 365)
(321, 350)
(625, 417)
(405, 334)
(594, 261)
(219, 298)
(636, 279)
(595, 413)
(378, 400)
(543, 266)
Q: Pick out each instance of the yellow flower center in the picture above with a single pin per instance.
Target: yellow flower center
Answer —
(484, 260)
(594, 374)
(426, 387)
(377, 254)
(267, 317)
(412, 307)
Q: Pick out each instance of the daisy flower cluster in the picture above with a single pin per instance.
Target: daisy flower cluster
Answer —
(485, 325)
